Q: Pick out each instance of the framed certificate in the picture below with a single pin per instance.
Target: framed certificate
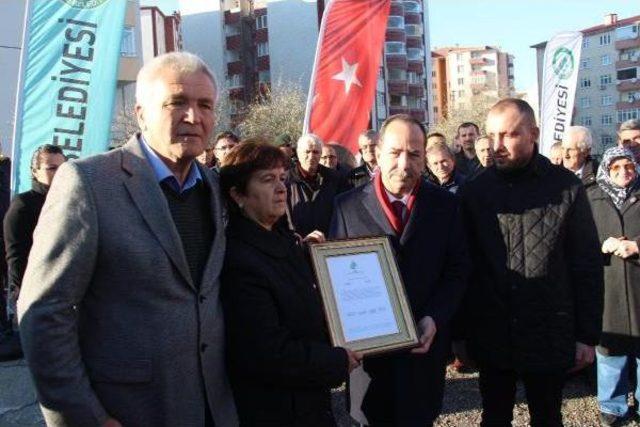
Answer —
(363, 295)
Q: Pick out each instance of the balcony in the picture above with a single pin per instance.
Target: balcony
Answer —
(418, 114)
(628, 85)
(397, 9)
(236, 93)
(627, 63)
(234, 42)
(478, 61)
(398, 87)
(231, 18)
(397, 61)
(415, 66)
(235, 67)
(627, 44)
(416, 90)
(263, 63)
(397, 110)
(412, 18)
(414, 42)
(262, 35)
(395, 35)
(625, 105)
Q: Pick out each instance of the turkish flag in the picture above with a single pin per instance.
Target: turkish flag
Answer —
(345, 72)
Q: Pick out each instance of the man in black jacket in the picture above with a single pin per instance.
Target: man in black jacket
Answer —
(534, 304)
(576, 154)
(367, 142)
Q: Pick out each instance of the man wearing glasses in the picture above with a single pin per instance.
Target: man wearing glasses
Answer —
(629, 136)
(225, 141)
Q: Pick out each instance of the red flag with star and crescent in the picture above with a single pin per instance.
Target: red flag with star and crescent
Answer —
(345, 73)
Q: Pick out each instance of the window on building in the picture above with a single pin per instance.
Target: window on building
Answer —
(584, 63)
(397, 100)
(264, 77)
(627, 32)
(627, 73)
(415, 54)
(606, 100)
(606, 119)
(585, 82)
(413, 30)
(460, 81)
(605, 79)
(633, 96)
(605, 60)
(624, 115)
(435, 109)
(585, 121)
(585, 102)
(395, 48)
(630, 55)
(395, 74)
(605, 39)
(476, 54)
(128, 45)
(585, 42)
(412, 76)
(413, 102)
(412, 6)
(263, 49)
(461, 93)
(606, 141)
(395, 22)
(458, 56)
(261, 22)
(460, 68)
(234, 80)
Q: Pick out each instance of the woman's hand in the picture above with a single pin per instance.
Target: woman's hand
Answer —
(626, 248)
(355, 359)
(610, 245)
(314, 237)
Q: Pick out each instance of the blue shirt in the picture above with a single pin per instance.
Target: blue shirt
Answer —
(163, 174)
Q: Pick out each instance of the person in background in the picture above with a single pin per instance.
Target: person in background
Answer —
(629, 137)
(615, 201)
(466, 159)
(555, 153)
(207, 158)
(367, 142)
(484, 151)
(328, 157)
(442, 167)
(223, 143)
(285, 144)
(435, 138)
(24, 210)
(279, 350)
(576, 154)
(345, 159)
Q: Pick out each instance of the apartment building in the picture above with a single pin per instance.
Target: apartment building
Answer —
(160, 33)
(608, 88)
(254, 44)
(472, 70)
(439, 87)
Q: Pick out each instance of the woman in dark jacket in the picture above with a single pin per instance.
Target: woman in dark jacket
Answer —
(281, 364)
(616, 209)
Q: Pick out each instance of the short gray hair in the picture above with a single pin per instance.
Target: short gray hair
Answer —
(309, 137)
(439, 148)
(181, 62)
(633, 124)
(586, 142)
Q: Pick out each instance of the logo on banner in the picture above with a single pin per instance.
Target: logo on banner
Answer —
(563, 63)
(84, 4)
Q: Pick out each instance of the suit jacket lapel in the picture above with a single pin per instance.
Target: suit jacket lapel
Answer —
(374, 210)
(148, 198)
(216, 254)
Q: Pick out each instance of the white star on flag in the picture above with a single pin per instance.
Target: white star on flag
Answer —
(348, 75)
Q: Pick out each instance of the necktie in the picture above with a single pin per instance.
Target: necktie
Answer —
(398, 210)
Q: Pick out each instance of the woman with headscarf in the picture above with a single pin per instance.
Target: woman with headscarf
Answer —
(616, 210)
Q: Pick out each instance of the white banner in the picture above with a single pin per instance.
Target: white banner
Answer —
(559, 79)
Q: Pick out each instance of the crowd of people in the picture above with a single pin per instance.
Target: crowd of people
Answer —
(168, 282)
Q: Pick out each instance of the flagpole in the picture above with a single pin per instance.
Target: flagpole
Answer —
(17, 117)
(312, 85)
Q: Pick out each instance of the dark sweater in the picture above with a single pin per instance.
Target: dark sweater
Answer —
(191, 213)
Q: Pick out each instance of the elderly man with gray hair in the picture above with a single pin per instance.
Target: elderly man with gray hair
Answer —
(312, 188)
(119, 310)
(629, 137)
(576, 154)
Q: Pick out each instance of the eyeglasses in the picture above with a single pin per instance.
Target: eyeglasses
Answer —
(626, 142)
(628, 167)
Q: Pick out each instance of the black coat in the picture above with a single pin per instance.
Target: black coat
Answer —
(359, 176)
(589, 172)
(536, 286)
(18, 225)
(281, 364)
(310, 208)
(621, 317)
(431, 253)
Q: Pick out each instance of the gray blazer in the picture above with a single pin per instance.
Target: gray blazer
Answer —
(111, 322)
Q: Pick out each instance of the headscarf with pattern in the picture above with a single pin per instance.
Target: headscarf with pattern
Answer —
(618, 194)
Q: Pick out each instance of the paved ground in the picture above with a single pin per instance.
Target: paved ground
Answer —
(18, 405)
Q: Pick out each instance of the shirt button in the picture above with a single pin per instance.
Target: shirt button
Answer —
(203, 347)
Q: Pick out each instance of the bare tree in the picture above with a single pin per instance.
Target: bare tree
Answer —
(475, 110)
(280, 110)
(123, 125)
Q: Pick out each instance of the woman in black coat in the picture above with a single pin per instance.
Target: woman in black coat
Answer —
(616, 209)
(281, 364)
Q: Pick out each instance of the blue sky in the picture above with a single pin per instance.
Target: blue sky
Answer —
(514, 25)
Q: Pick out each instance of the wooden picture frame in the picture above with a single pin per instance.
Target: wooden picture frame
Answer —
(364, 299)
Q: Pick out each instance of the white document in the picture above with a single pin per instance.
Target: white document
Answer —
(362, 300)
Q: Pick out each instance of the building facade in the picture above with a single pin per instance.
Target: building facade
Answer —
(254, 44)
(608, 87)
(160, 33)
(471, 71)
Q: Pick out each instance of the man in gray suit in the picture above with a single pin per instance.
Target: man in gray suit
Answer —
(119, 310)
